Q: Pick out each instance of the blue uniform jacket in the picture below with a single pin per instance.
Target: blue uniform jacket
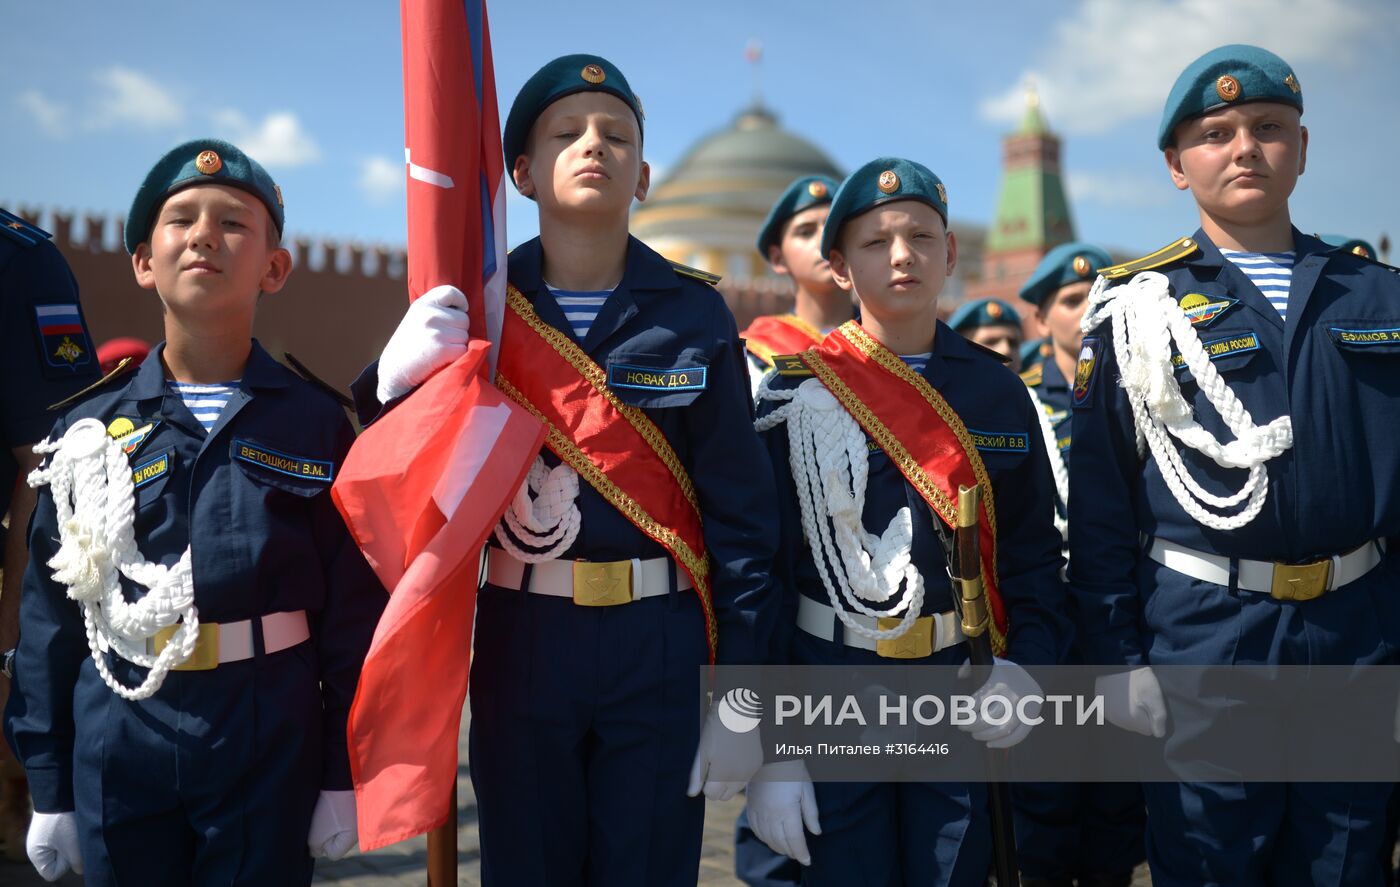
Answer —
(1334, 367)
(36, 370)
(1055, 394)
(993, 404)
(263, 540)
(659, 319)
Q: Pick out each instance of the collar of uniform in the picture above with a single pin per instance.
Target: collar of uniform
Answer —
(1208, 254)
(645, 268)
(1051, 377)
(949, 343)
(261, 372)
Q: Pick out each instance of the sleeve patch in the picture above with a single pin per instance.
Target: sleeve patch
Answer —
(63, 338)
(1086, 371)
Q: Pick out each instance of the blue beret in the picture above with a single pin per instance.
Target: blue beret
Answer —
(882, 180)
(1034, 352)
(1065, 264)
(199, 162)
(806, 192)
(984, 312)
(562, 77)
(1350, 245)
(1229, 75)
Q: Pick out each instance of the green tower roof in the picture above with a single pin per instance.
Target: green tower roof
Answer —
(1032, 211)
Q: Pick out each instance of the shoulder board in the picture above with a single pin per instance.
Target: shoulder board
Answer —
(1369, 259)
(790, 365)
(989, 352)
(696, 273)
(125, 366)
(301, 370)
(1177, 249)
(17, 229)
(1034, 376)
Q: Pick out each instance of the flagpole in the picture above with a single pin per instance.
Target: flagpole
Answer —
(442, 848)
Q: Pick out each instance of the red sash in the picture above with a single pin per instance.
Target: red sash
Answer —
(614, 447)
(917, 429)
(779, 334)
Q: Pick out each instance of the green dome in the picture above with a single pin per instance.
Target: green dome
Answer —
(718, 194)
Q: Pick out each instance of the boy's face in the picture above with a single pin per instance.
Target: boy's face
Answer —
(211, 252)
(1062, 313)
(798, 253)
(1240, 163)
(1002, 338)
(584, 154)
(896, 257)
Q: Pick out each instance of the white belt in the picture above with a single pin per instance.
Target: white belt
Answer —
(233, 641)
(650, 577)
(1267, 577)
(819, 619)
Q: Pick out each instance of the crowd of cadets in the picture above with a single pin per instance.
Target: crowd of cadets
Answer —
(710, 496)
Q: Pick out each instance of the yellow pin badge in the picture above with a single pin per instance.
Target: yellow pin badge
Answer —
(1203, 310)
(816, 189)
(888, 182)
(593, 74)
(1081, 266)
(126, 432)
(208, 162)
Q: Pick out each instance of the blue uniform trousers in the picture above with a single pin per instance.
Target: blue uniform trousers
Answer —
(895, 834)
(211, 781)
(584, 725)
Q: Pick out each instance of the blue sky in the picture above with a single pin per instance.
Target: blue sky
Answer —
(95, 92)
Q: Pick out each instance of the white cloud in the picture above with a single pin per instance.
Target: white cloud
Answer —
(52, 116)
(129, 98)
(1114, 60)
(1114, 189)
(278, 140)
(381, 180)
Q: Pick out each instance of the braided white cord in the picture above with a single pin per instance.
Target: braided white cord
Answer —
(1057, 463)
(1146, 320)
(90, 478)
(830, 465)
(550, 521)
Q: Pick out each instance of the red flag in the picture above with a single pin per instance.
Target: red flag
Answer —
(423, 486)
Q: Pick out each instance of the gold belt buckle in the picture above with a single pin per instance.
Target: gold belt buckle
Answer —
(206, 648)
(916, 643)
(1301, 582)
(602, 583)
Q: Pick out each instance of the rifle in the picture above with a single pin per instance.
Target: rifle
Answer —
(965, 568)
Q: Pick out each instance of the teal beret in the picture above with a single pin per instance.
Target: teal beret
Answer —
(1350, 245)
(1229, 75)
(805, 193)
(882, 180)
(984, 312)
(199, 162)
(562, 77)
(1065, 264)
(1034, 352)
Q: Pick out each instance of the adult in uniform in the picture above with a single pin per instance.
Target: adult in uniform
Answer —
(1260, 539)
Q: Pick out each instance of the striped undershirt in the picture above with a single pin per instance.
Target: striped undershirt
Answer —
(1272, 273)
(917, 362)
(205, 402)
(580, 308)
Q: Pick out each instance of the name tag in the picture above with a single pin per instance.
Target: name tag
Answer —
(621, 375)
(1366, 337)
(1001, 441)
(1225, 346)
(283, 463)
(150, 470)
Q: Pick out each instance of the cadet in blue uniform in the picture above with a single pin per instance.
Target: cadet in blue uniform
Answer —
(887, 238)
(586, 709)
(159, 753)
(993, 324)
(1271, 549)
(1068, 832)
(46, 355)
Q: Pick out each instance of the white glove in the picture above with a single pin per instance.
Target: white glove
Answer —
(333, 833)
(432, 334)
(781, 802)
(52, 845)
(1133, 701)
(724, 760)
(1011, 682)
